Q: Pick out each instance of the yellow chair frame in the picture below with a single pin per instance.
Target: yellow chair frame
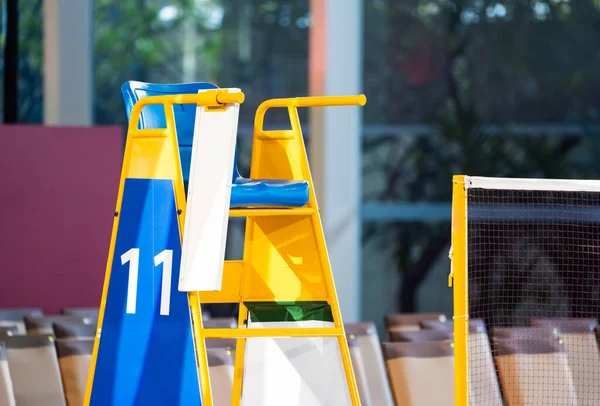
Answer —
(285, 255)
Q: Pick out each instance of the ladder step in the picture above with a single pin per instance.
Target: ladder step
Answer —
(302, 211)
(271, 332)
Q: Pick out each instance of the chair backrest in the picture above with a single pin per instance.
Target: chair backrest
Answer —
(34, 370)
(8, 331)
(524, 333)
(44, 324)
(220, 369)
(421, 335)
(378, 386)
(415, 368)
(16, 317)
(582, 353)
(409, 321)
(437, 325)
(221, 322)
(7, 395)
(87, 312)
(66, 329)
(153, 116)
(358, 364)
(534, 371)
(485, 388)
(74, 359)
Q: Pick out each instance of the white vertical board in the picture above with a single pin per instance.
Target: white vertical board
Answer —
(209, 192)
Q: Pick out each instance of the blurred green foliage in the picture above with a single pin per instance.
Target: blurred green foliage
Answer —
(259, 45)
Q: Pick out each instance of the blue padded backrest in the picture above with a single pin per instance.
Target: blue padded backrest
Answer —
(153, 116)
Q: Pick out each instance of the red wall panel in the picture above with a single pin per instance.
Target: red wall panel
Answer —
(58, 189)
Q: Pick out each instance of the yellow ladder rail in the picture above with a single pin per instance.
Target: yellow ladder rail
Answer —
(154, 154)
(272, 236)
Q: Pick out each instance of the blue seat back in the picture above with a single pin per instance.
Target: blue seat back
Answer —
(153, 116)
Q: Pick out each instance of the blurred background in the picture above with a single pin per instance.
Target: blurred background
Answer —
(480, 87)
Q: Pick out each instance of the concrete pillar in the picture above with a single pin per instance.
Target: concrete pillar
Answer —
(68, 62)
(335, 68)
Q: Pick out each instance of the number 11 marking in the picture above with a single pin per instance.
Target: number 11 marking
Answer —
(133, 257)
(165, 258)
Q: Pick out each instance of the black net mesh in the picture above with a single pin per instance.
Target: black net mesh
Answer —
(534, 297)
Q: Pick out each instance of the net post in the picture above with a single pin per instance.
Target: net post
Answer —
(459, 278)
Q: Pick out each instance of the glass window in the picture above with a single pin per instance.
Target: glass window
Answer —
(490, 88)
(30, 64)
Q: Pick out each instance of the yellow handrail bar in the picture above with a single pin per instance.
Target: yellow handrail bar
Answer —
(315, 101)
(209, 98)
